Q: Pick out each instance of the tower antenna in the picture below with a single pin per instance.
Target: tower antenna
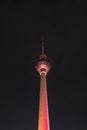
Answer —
(43, 45)
(43, 56)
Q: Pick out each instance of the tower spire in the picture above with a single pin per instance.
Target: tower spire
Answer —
(43, 45)
(43, 55)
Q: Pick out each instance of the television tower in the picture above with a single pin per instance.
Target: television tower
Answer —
(43, 67)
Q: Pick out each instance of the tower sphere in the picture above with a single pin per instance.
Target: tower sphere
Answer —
(43, 66)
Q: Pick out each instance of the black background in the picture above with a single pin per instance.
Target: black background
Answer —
(64, 25)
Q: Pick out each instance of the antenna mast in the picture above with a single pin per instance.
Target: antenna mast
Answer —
(42, 46)
(43, 56)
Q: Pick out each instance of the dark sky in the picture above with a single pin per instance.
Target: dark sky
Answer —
(64, 25)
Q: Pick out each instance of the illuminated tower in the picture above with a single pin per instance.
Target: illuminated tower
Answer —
(43, 67)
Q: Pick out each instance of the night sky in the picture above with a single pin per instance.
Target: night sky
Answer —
(64, 25)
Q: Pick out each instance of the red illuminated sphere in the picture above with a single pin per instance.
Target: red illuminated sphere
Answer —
(43, 65)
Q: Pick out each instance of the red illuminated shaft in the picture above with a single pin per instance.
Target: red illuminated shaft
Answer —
(43, 121)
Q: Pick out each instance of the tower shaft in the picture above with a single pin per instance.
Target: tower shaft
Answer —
(43, 67)
(43, 120)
